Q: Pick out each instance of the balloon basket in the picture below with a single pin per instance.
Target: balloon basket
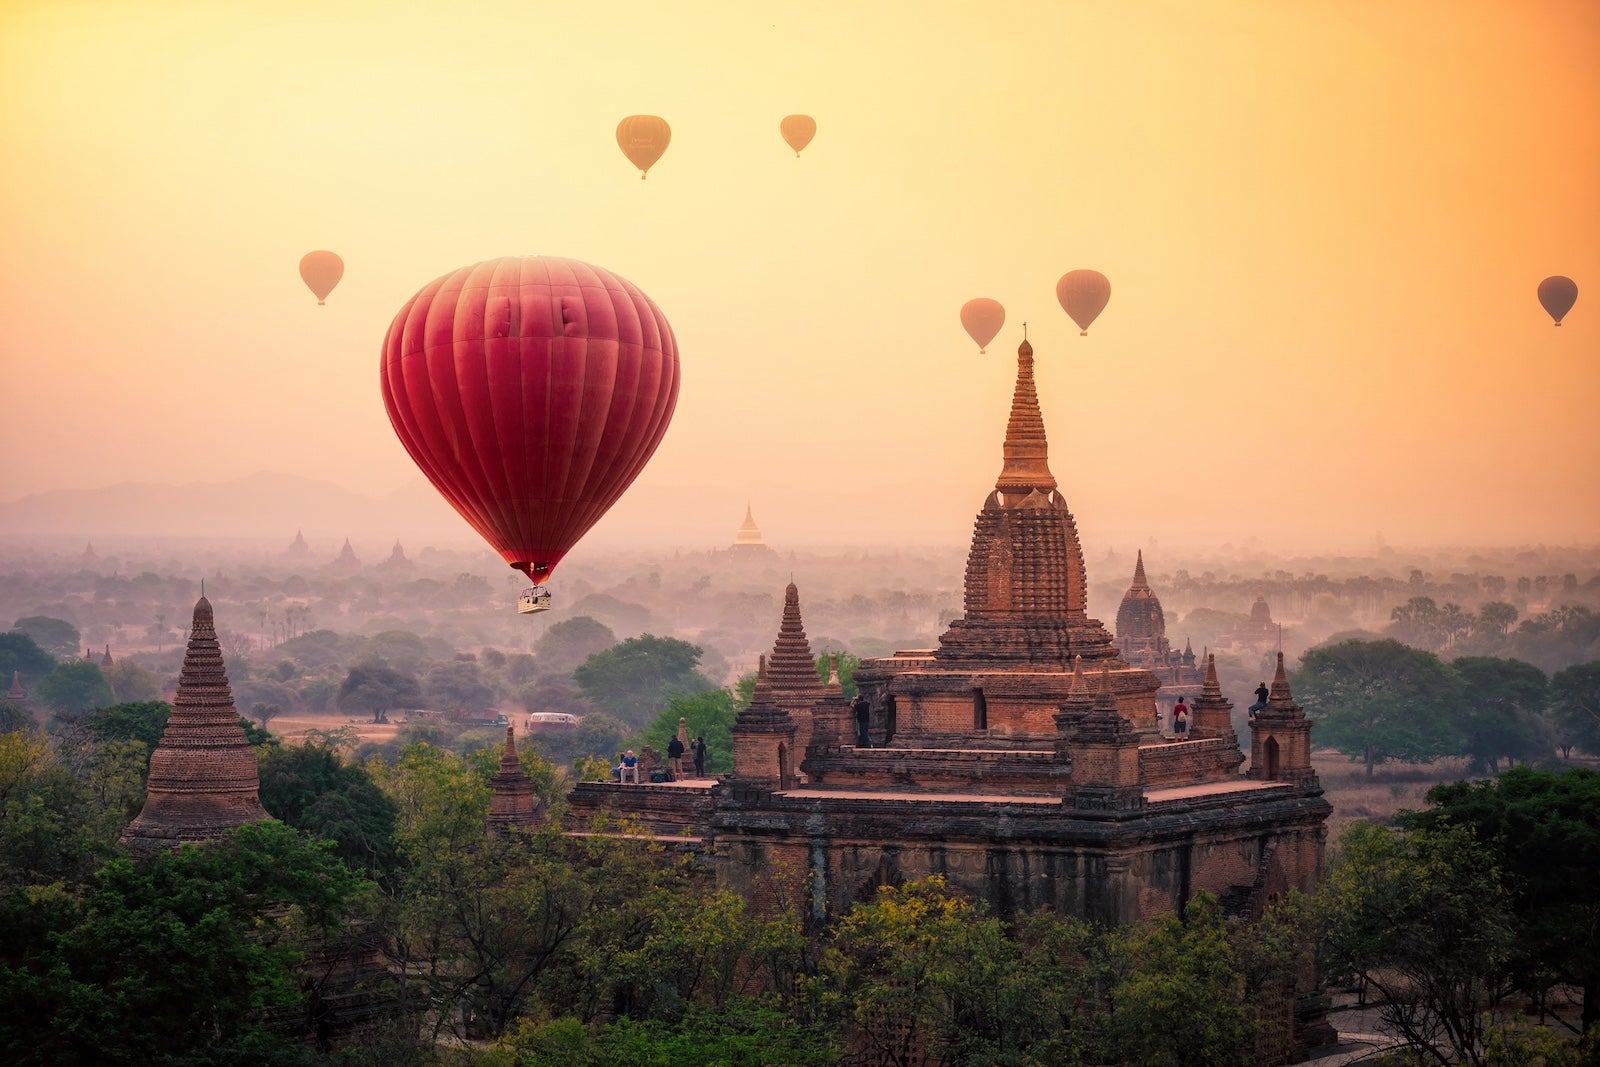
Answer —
(534, 600)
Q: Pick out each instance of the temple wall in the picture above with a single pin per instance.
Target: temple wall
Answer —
(1188, 762)
(840, 859)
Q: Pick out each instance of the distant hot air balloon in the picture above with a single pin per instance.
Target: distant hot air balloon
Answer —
(321, 271)
(531, 391)
(642, 139)
(982, 319)
(1083, 295)
(1558, 294)
(798, 131)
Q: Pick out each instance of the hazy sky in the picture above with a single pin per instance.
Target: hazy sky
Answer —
(1323, 222)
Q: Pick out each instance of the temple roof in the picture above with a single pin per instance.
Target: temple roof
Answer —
(1259, 611)
(1141, 624)
(17, 694)
(792, 671)
(1026, 591)
(203, 780)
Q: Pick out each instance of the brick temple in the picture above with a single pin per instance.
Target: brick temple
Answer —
(1022, 758)
(203, 779)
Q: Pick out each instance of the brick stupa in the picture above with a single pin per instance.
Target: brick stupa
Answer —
(513, 805)
(792, 670)
(203, 778)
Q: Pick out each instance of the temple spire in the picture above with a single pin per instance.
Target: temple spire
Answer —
(1026, 466)
(203, 780)
(1139, 580)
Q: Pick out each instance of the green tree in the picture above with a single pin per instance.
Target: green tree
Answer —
(477, 920)
(457, 686)
(1381, 700)
(917, 972)
(634, 679)
(710, 715)
(847, 670)
(130, 682)
(1423, 919)
(1495, 618)
(377, 689)
(169, 960)
(1575, 707)
(312, 787)
(1500, 713)
(14, 717)
(75, 686)
(1418, 622)
(20, 654)
(1179, 992)
(571, 641)
(55, 636)
(1542, 830)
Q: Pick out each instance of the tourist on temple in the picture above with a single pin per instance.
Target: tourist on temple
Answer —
(1261, 700)
(630, 767)
(862, 712)
(697, 749)
(675, 758)
(1180, 719)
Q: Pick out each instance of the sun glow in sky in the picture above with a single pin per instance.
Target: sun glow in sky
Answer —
(1323, 222)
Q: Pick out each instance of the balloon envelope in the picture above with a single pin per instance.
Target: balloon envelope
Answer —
(1083, 295)
(531, 391)
(1558, 294)
(982, 319)
(798, 131)
(321, 271)
(642, 139)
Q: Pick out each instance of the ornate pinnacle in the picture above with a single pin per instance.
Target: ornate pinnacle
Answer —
(1026, 465)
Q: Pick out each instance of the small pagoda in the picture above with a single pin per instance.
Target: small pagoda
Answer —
(513, 805)
(203, 779)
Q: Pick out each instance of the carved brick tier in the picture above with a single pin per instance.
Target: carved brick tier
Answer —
(203, 778)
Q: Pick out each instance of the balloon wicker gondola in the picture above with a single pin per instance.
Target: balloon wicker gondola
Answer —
(533, 600)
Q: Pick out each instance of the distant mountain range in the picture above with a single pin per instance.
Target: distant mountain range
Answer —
(266, 505)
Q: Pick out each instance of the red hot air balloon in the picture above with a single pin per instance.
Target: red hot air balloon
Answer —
(1083, 295)
(531, 391)
(643, 138)
(321, 271)
(1558, 294)
(798, 130)
(982, 319)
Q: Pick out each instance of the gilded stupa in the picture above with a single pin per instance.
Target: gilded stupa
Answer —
(203, 779)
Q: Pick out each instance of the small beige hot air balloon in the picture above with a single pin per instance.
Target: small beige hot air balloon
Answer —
(1557, 294)
(982, 319)
(643, 138)
(798, 131)
(1083, 295)
(321, 271)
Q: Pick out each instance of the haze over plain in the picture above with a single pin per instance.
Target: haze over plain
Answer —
(1323, 224)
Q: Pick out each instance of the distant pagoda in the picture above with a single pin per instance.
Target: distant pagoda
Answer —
(347, 560)
(298, 549)
(397, 560)
(747, 540)
(203, 779)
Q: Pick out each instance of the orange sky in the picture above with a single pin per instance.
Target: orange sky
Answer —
(1323, 222)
